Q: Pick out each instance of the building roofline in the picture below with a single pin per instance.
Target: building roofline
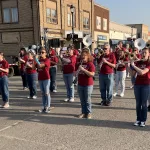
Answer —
(96, 4)
(120, 24)
(137, 24)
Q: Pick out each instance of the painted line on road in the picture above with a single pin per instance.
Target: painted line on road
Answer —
(16, 123)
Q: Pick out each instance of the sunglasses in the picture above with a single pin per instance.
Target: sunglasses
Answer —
(104, 48)
(42, 52)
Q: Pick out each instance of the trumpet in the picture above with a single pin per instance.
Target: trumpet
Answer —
(132, 56)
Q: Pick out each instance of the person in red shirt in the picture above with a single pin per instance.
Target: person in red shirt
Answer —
(31, 75)
(4, 69)
(142, 86)
(22, 59)
(68, 74)
(120, 72)
(86, 72)
(107, 63)
(53, 70)
(43, 66)
(128, 50)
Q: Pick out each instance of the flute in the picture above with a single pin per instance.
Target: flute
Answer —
(76, 77)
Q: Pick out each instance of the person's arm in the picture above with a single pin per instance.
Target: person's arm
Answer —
(138, 70)
(89, 73)
(108, 63)
(4, 70)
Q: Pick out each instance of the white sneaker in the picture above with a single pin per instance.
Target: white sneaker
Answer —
(131, 87)
(137, 123)
(29, 97)
(142, 124)
(121, 95)
(54, 91)
(115, 94)
(34, 97)
(66, 100)
(71, 100)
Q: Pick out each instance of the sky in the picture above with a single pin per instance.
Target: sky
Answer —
(128, 11)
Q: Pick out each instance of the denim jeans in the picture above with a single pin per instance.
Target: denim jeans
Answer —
(120, 79)
(31, 79)
(142, 93)
(85, 98)
(106, 86)
(68, 79)
(133, 78)
(4, 88)
(44, 86)
(24, 78)
(53, 73)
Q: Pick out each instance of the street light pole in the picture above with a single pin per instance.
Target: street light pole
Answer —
(72, 9)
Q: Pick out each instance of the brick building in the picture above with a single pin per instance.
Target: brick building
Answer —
(101, 25)
(22, 22)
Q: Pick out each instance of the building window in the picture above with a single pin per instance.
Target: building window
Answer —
(69, 17)
(86, 20)
(10, 11)
(98, 23)
(104, 24)
(51, 12)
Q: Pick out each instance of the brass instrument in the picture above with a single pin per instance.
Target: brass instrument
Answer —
(99, 53)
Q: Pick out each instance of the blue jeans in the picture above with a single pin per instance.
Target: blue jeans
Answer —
(31, 78)
(44, 86)
(68, 79)
(4, 88)
(53, 73)
(142, 93)
(24, 78)
(85, 98)
(106, 86)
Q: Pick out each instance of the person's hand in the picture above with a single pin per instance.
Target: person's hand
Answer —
(104, 60)
(81, 68)
(132, 63)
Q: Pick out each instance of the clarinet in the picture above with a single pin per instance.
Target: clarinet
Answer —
(76, 77)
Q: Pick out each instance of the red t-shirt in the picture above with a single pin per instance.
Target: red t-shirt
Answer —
(4, 65)
(122, 67)
(106, 69)
(117, 49)
(25, 58)
(69, 67)
(145, 78)
(43, 73)
(84, 79)
(75, 52)
(54, 59)
(30, 70)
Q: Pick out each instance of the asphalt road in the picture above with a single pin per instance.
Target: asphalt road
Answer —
(111, 128)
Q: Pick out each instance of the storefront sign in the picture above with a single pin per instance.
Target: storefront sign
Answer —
(101, 38)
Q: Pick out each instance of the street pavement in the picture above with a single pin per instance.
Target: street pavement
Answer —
(111, 128)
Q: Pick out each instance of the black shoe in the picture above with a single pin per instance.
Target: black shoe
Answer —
(103, 103)
(148, 108)
(42, 110)
(108, 103)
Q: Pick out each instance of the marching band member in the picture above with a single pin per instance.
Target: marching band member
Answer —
(68, 74)
(133, 74)
(53, 70)
(107, 63)
(142, 87)
(22, 59)
(85, 83)
(128, 50)
(31, 75)
(120, 72)
(4, 69)
(43, 65)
